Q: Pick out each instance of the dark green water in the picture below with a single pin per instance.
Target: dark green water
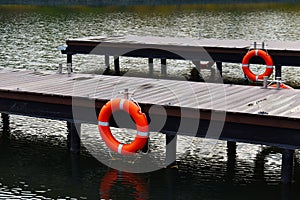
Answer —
(34, 162)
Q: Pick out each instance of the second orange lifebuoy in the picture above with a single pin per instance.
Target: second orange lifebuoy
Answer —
(264, 55)
(139, 119)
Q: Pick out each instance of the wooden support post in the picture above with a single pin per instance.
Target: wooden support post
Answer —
(150, 63)
(231, 149)
(171, 145)
(219, 67)
(287, 166)
(172, 178)
(74, 137)
(5, 124)
(106, 57)
(164, 67)
(5, 119)
(278, 70)
(69, 61)
(231, 159)
(145, 149)
(117, 65)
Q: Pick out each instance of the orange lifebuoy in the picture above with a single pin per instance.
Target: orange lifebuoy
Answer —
(282, 86)
(264, 55)
(139, 118)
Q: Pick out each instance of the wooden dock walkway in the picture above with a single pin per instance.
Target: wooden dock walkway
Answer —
(284, 53)
(251, 114)
(241, 113)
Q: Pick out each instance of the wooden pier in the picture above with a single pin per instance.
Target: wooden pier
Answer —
(276, 122)
(283, 53)
(266, 111)
(233, 113)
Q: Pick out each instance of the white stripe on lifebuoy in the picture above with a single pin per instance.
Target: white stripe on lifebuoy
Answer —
(143, 134)
(122, 104)
(103, 123)
(120, 148)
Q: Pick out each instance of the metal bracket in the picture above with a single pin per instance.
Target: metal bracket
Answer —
(59, 71)
(278, 82)
(255, 45)
(69, 68)
(126, 93)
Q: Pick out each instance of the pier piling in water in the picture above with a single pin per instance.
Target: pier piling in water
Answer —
(287, 166)
(219, 67)
(150, 63)
(231, 159)
(231, 150)
(278, 70)
(117, 65)
(5, 119)
(171, 145)
(74, 137)
(145, 149)
(5, 124)
(69, 61)
(164, 67)
(106, 58)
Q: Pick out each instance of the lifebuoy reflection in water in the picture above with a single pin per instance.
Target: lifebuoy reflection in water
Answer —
(115, 177)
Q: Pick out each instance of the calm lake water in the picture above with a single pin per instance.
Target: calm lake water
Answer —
(34, 162)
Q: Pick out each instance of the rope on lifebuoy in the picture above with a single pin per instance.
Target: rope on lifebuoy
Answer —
(264, 55)
(139, 118)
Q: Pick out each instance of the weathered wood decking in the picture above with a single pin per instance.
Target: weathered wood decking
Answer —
(251, 114)
(283, 53)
